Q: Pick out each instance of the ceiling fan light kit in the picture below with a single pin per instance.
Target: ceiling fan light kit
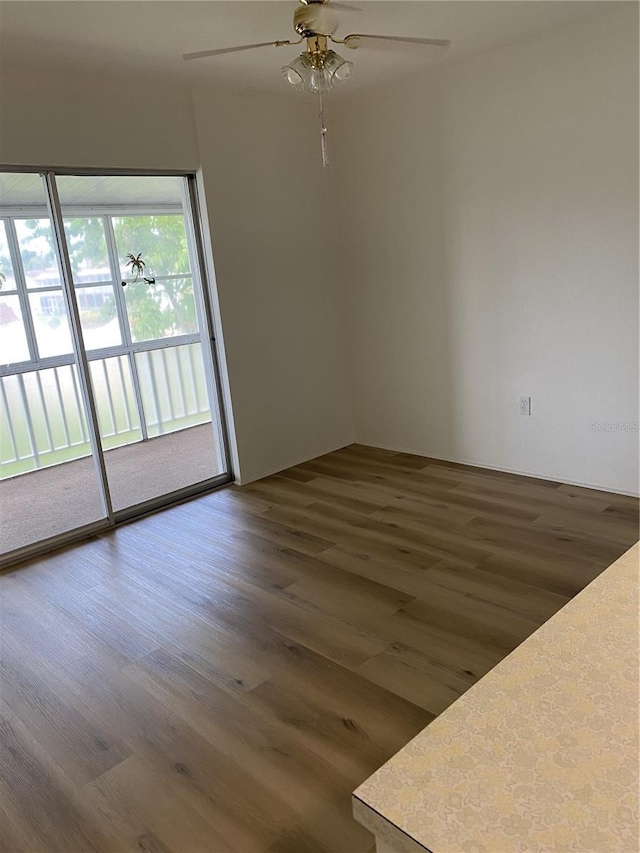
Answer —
(319, 69)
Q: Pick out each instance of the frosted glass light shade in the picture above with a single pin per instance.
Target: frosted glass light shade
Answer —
(297, 72)
(319, 81)
(338, 68)
(302, 73)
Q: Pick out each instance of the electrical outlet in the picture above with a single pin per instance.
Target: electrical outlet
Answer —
(525, 405)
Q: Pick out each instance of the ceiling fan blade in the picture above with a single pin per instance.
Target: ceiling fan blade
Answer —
(353, 40)
(344, 7)
(202, 53)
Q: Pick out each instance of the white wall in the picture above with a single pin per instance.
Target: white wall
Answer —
(269, 207)
(268, 203)
(490, 243)
(52, 120)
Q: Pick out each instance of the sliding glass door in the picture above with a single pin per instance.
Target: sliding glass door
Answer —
(122, 254)
(50, 479)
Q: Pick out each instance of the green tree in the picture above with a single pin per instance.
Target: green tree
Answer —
(166, 307)
(155, 310)
(42, 256)
(86, 242)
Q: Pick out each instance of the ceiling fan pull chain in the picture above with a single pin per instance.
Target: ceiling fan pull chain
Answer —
(324, 147)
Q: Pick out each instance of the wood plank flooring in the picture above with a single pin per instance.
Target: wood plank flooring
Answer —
(217, 678)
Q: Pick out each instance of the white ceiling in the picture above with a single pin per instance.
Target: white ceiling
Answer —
(110, 39)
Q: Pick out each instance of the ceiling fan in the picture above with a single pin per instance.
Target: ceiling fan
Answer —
(319, 69)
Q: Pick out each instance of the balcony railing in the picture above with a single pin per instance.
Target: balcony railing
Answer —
(139, 395)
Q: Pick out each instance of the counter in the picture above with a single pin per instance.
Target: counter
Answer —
(540, 755)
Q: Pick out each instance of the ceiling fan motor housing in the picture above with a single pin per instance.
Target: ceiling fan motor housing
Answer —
(315, 19)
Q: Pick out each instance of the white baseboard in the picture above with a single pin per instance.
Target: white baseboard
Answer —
(534, 475)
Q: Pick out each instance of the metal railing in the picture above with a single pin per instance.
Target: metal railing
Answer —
(42, 420)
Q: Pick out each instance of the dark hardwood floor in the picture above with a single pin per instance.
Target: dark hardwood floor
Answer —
(220, 676)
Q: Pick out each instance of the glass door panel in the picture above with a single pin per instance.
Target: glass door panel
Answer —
(98, 317)
(162, 309)
(174, 388)
(14, 346)
(37, 252)
(161, 238)
(48, 479)
(93, 281)
(115, 401)
(136, 277)
(87, 246)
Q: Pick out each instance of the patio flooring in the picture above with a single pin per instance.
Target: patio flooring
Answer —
(62, 497)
